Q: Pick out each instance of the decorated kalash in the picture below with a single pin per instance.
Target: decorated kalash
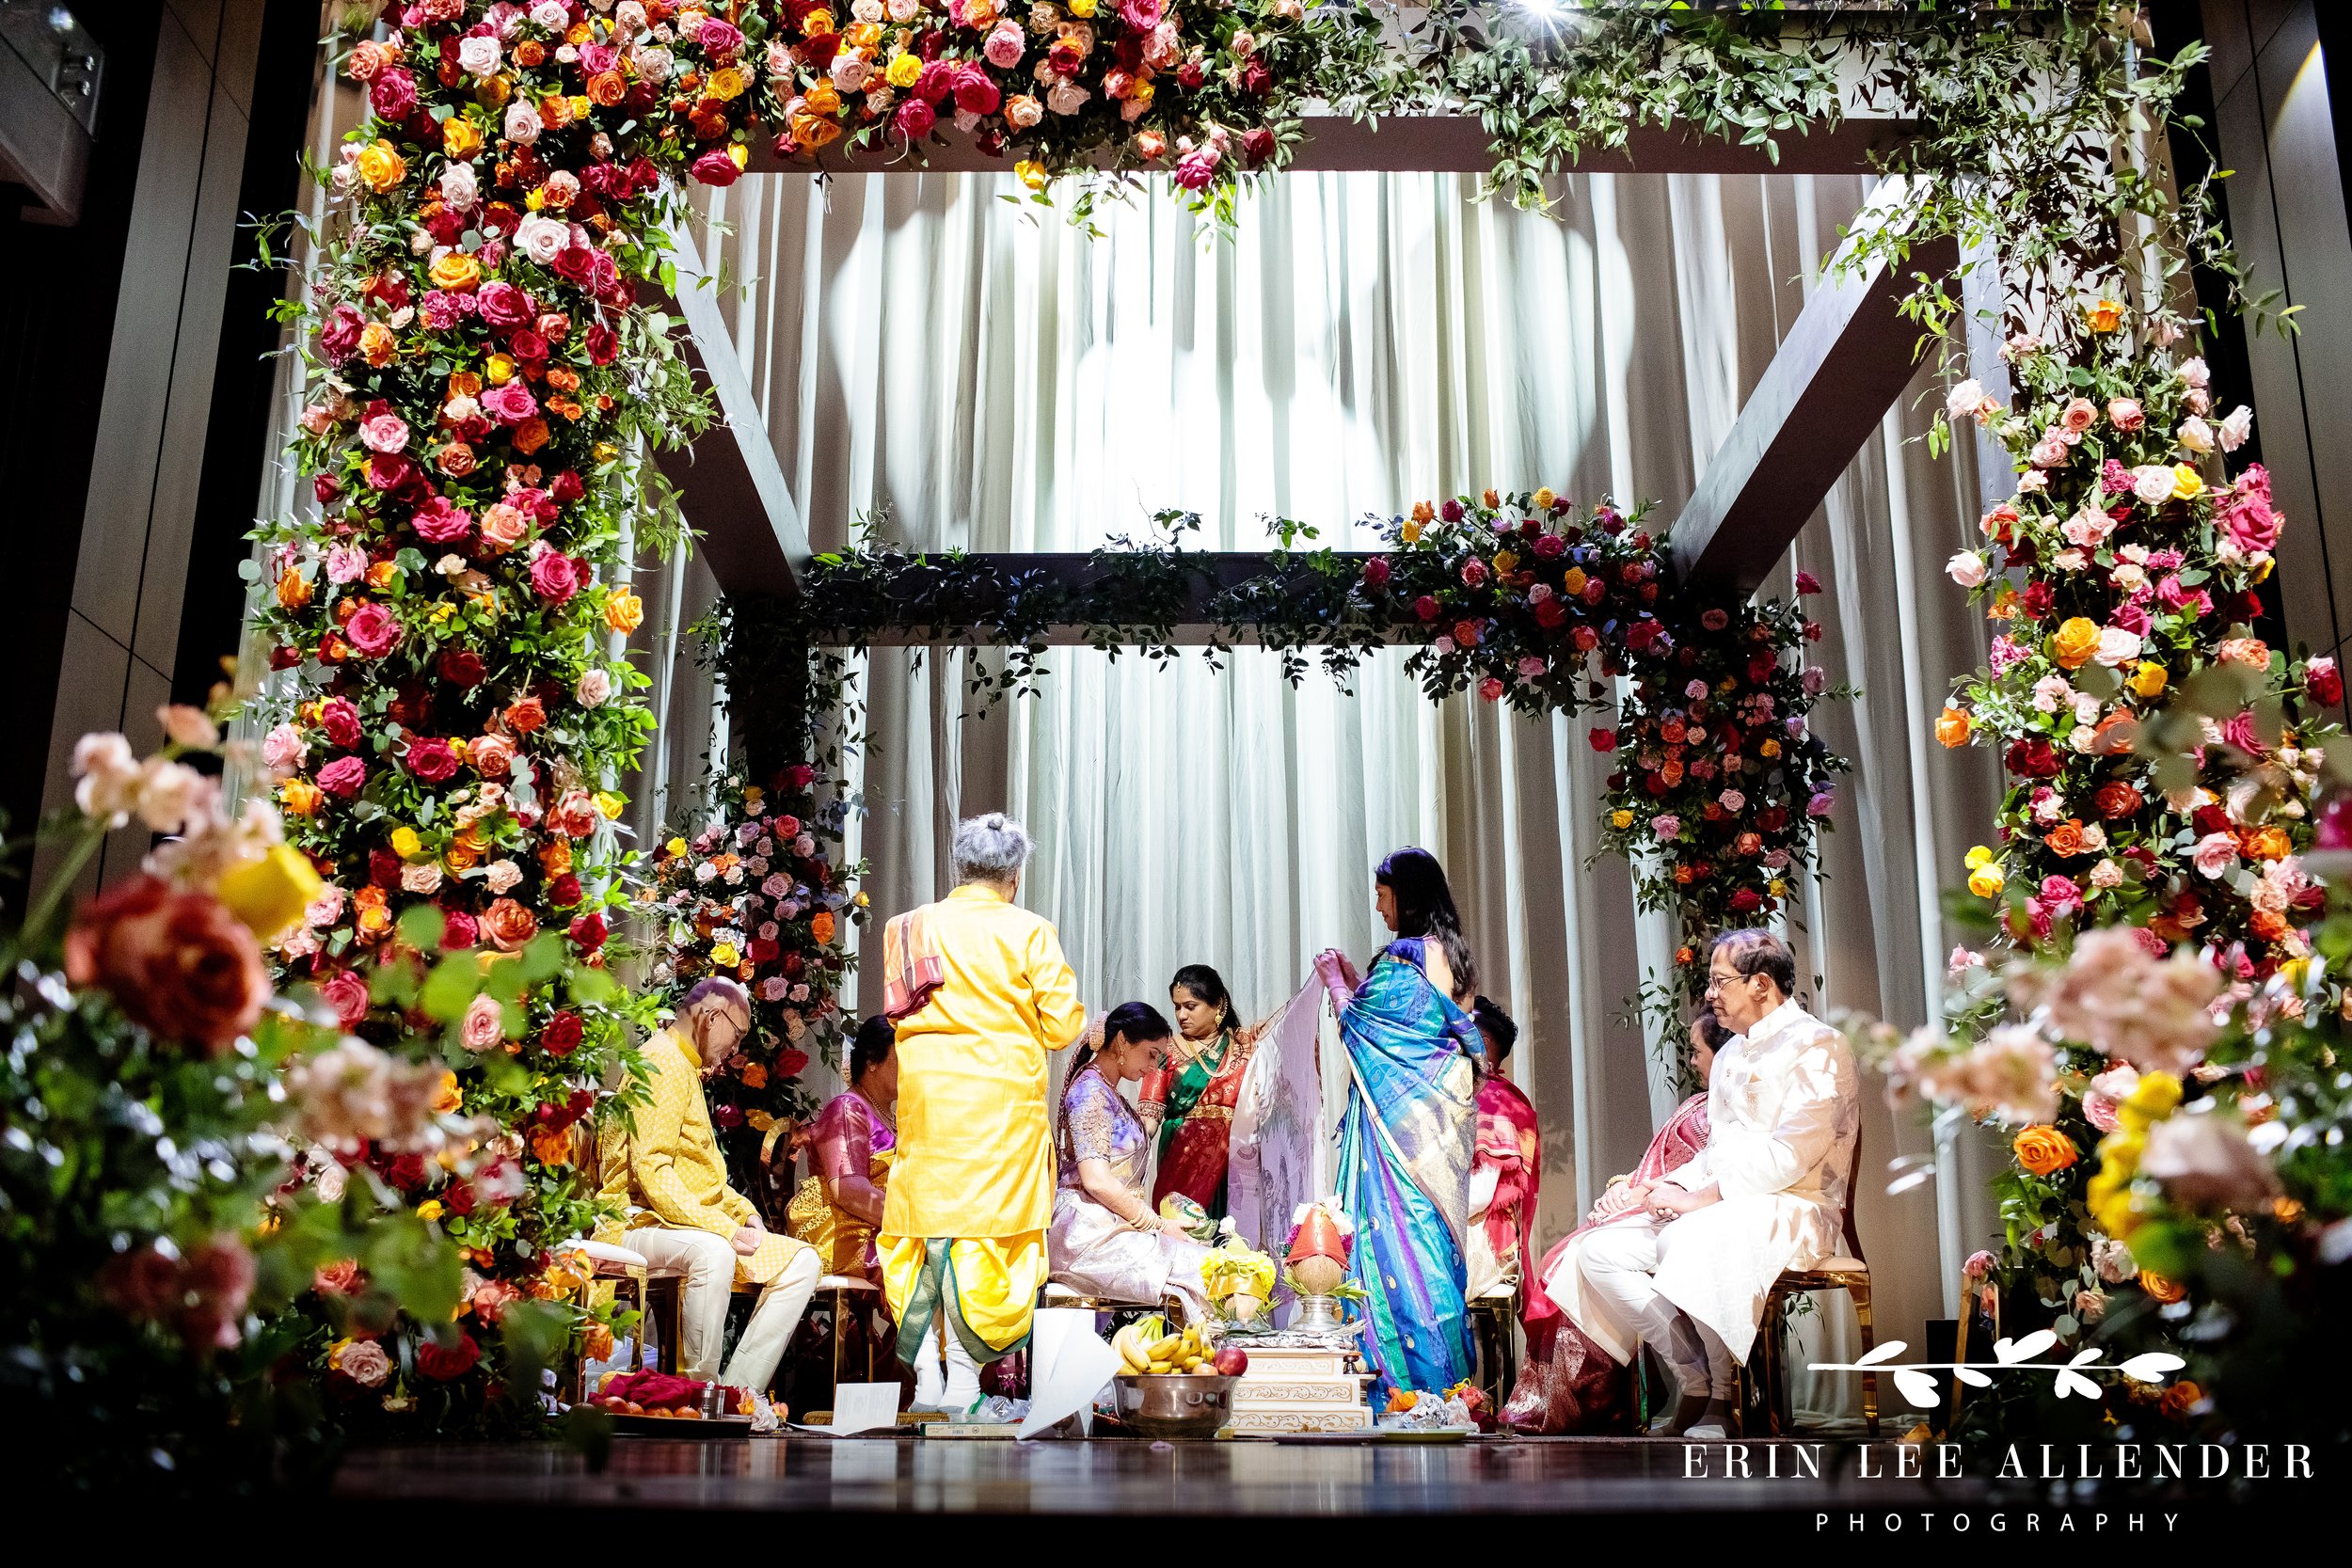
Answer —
(1240, 1375)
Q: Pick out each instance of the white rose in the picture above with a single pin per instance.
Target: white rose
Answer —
(2195, 435)
(522, 125)
(1967, 568)
(655, 64)
(459, 188)
(478, 57)
(552, 15)
(2193, 373)
(2117, 646)
(1961, 403)
(2152, 484)
(594, 688)
(543, 238)
(2236, 428)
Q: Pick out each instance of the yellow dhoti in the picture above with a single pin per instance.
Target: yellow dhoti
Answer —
(988, 1286)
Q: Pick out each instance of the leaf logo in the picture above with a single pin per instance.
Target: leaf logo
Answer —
(2069, 1381)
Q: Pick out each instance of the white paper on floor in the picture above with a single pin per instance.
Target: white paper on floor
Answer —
(859, 1407)
(1068, 1364)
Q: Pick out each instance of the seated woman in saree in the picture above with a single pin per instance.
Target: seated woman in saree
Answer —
(1411, 1124)
(1189, 1103)
(1571, 1387)
(1106, 1242)
(838, 1209)
(1507, 1171)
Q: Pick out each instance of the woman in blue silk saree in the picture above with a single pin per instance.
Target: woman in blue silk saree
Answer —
(1409, 1133)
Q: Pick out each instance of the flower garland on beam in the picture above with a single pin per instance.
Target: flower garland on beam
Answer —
(1522, 598)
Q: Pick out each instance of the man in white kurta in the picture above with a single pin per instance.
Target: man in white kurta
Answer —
(1689, 1275)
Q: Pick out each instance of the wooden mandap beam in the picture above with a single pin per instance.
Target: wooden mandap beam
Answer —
(1450, 144)
(1841, 367)
(729, 483)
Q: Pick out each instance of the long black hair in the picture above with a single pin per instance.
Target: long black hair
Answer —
(1129, 1021)
(1424, 909)
(875, 1039)
(1208, 985)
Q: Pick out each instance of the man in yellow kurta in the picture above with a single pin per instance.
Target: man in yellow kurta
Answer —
(963, 1239)
(686, 1217)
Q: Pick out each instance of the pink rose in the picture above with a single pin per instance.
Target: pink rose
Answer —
(431, 760)
(502, 304)
(344, 992)
(504, 527)
(345, 776)
(283, 749)
(492, 757)
(976, 94)
(2125, 414)
(2215, 854)
(715, 168)
(511, 404)
(346, 564)
(441, 521)
(2248, 516)
(338, 338)
(554, 576)
(484, 1024)
(1005, 44)
(915, 119)
(720, 39)
(574, 815)
(385, 432)
(2079, 415)
(373, 630)
(1196, 169)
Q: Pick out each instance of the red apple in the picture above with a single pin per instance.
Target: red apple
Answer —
(1232, 1361)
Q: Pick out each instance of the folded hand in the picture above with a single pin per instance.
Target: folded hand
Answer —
(746, 1240)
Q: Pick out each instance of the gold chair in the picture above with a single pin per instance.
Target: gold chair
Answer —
(1768, 1366)
(1493, 1320)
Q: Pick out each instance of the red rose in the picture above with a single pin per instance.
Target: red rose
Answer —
(603, 344)
(344, 992)
(463, 667)
(459, 930)
(1426, 607)
(2324, 681)
(1746, 899)
(442, 1365)
(715, 168)
(559, 1035)
(177, 962)
(564, 891)
(789, 1063)
(1376, 572)
(800, 776)
(431, 760)
(764, 950)
(1603, 741)
(1550, 613)
(340, 721)
(406, 1172)
(588, 932)
(384, 869)
(1258, 143)
(2032, 758)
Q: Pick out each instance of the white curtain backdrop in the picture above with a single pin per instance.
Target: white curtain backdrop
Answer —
(996, 382)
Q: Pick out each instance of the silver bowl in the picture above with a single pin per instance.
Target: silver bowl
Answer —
(1176, 1407)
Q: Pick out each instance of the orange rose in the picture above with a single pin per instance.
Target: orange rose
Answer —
(596, 1341)
(1953, 726)
(374, 918)
(2066, 838)
(555, 111)
(531, 434)
(606, 88)
(508, 924)
(2268, 843)
(294, 590)
(300, 797)
(526, 716)
(447, 1099)
(2044, 1151)
(2269, 924)
(556, 859)
(2073, 642)
(2182, 1398)
(2163, 1290)
(552, 1146)
(377, 345)
(457, 273)
(2252, 652)
(821, 926)
(492, 757)
(755, 1076)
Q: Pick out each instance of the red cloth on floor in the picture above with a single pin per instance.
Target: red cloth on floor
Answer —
(668, 1391)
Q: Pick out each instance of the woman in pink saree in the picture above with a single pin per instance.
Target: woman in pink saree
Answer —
(1569, 1385)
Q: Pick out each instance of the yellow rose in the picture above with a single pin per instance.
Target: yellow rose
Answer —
(2074, 643)
(2149, 679)
(456, 272)
(1505, 563)
(269, 891)
(820, 22)
(726, 83)
(1978, 856)
(904, 70)
(1081, 9)
(2158, 1096)
(500, 369)
(609, 805)
(2104, 315)
(676, 847)
(429, 1210)
(459, 139)
(448, 1097)
(1770, 748)
(1543, 498)
(2188, 484)
(724, 955)
(406, 843)
(1572, 583)
(1621, 818)
(624, 611)
(1412, 530)
(1985, 880)
(381, 167)
(1031, 173)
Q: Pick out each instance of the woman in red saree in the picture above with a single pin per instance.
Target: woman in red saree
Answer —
(1569, 1385)
(1189, 1103)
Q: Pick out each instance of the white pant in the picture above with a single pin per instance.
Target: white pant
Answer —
(706, 1264)
(1619, 1265)
(953, 1386)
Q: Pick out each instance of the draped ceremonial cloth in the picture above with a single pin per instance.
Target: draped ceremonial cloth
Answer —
(972, 1190)
(1406, 1146)
(1278, 1152)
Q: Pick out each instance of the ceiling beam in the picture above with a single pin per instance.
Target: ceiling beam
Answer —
(728, 481)
(1843, 364)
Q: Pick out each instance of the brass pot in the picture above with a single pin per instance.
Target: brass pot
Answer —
(1175, 1407)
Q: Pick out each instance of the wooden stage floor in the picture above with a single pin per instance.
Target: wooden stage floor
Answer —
(740, 1483)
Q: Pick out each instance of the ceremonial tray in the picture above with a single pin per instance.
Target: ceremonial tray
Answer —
(707, 1428)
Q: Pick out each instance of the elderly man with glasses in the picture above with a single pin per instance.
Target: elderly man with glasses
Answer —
(685, 1216)
(1685, 1264)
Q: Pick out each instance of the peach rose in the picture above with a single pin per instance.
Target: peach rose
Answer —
(508, 924)
(491, 755)
(177, 962)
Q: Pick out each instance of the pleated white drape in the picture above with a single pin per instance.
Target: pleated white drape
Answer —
(997, 380)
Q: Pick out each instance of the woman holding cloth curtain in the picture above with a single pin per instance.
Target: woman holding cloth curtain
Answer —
(1410, 1128)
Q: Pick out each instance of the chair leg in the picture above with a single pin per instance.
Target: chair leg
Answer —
(1861, 1294)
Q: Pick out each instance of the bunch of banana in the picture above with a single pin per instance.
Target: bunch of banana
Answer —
(1146, 1346)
